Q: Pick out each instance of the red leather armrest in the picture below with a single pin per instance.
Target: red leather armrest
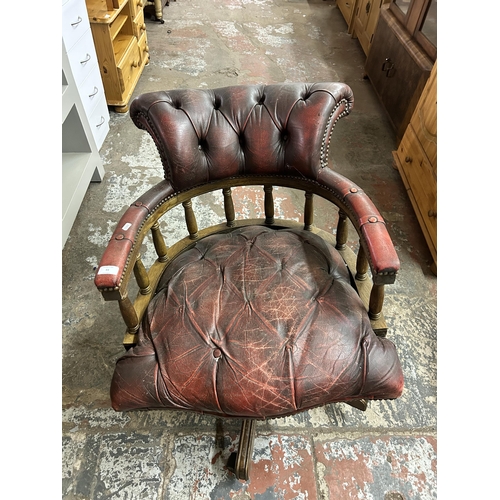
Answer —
(115, 259)
(374, 237)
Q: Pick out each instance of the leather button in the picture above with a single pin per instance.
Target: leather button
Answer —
(217, 353)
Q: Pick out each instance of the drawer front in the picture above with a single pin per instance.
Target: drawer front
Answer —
(75, 22)
(136, 6)
(421, 179)
(99, 122)
(424, 119)
(91, 90)
(346, 7)
(139, 25)
(82, 58)
(129, 66)
(144, 49)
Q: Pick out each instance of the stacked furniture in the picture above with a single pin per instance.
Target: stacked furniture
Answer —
(85, 116)
(361, 17)
(402, 53)
(121, 43)
(416, 160)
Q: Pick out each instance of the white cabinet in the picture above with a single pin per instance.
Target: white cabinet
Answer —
(85, 116)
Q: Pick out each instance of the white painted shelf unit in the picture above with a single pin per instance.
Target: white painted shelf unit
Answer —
(85, 115)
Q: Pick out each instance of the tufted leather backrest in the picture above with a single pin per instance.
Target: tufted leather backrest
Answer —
(242, 130)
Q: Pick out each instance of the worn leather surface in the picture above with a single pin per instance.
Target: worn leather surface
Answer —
(208, 134)
(256, 323)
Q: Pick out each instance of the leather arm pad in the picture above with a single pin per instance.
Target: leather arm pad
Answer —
(115, 259)
(374, 237)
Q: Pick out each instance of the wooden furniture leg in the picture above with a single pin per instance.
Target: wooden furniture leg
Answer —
(239, 462)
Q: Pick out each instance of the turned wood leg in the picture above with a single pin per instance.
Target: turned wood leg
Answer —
(239, 462)
(376, 302)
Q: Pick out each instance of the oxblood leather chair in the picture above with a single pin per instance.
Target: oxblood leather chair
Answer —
(250, 318)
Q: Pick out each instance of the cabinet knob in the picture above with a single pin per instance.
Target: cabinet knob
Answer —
(139, 3)
(388, 66)
(408, 159)
(135, 64)
(432, 213)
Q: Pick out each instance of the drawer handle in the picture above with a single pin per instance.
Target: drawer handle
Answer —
(95, 92)
(432, 213)
(102, 122)
(368, 5)
(408, 159)
(77, 22)
(387, 66)
(86, 60)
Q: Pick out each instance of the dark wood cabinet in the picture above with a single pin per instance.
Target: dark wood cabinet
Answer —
(401, 57)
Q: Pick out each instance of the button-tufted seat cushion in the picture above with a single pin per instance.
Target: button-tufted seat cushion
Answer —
(256, 323)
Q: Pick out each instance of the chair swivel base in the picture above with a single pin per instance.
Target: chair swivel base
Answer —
(239, 462)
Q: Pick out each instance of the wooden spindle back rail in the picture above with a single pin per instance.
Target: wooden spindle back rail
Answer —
(269, 204)
(361, 264)
(129, 315)
(141, 276)
(191, 223)
(228, 207)
(342, 231)
(373, 296)
(308, 211)
(159, 243)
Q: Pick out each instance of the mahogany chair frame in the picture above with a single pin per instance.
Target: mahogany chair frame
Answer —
(122, 264)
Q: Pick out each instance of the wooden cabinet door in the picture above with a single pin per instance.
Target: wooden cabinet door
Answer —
(398, 71)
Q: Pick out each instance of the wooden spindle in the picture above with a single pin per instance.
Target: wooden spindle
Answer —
(159, 242)
(129, 315)
(191, 223)
(376, 302)
(269, 204)
(308, 211)
(361, 264)
(141, 275)
(228, 207)
(342, 231)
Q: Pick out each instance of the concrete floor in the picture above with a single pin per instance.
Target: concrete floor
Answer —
(337, 452)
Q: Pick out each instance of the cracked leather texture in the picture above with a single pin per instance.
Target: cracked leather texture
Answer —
(256, 323)
(208, 134)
